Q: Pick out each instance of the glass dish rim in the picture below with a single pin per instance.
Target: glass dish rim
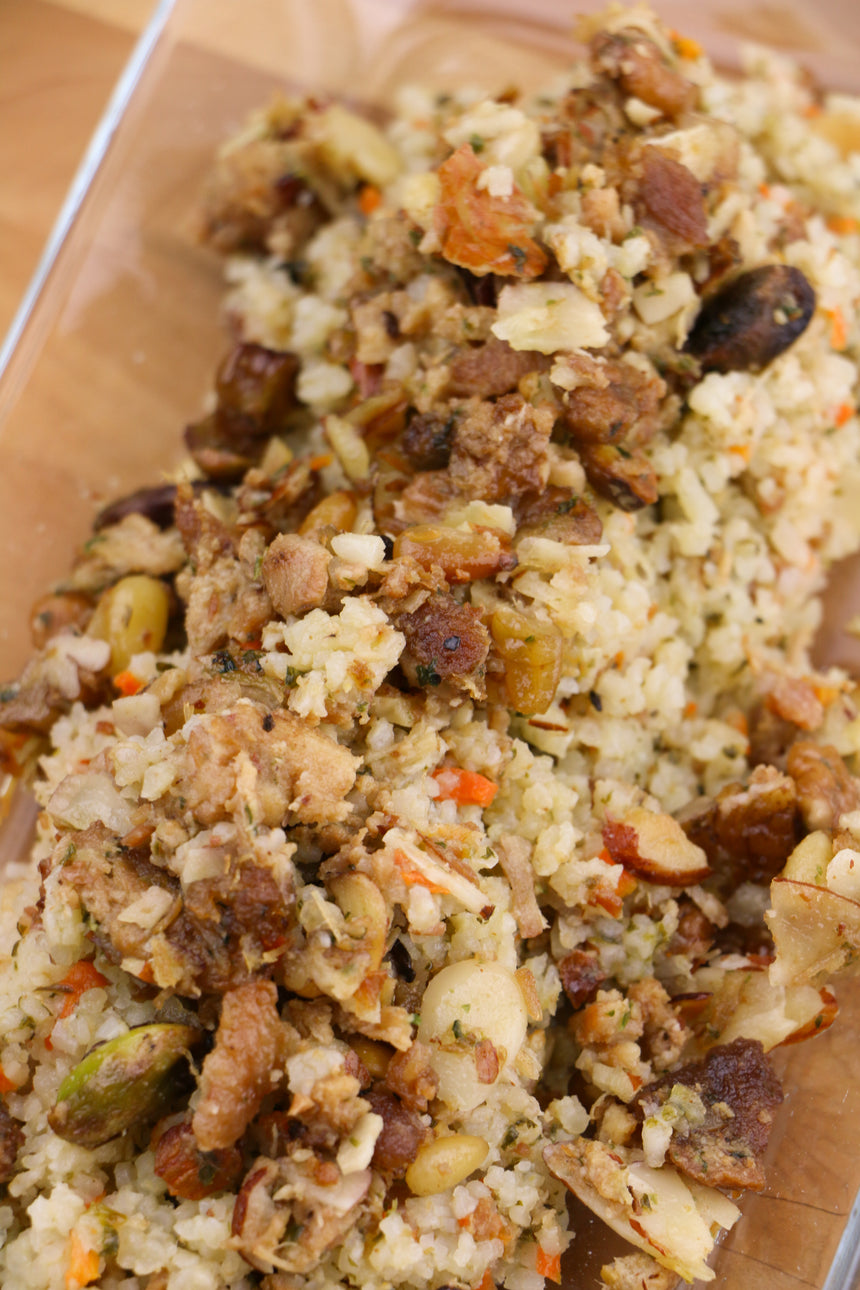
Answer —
(844, 1271)
(82, 180)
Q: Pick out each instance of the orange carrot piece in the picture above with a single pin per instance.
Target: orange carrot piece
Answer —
(842, 224)
(548, 1265)
(465, 787)
(414, 878)
(843, 413)
(608, 900)
(684, 47)
(613, 901)
(838, 329)
(127, 683)
(81, 977)
(626, 884)
(83, 1267)
(6, 1085)
(486, 1282)
(369, 199)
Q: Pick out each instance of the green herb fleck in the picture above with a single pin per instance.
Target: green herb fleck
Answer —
(427, 675)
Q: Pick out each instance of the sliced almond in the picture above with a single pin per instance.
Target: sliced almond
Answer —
(674, 1224)
(816, 932)
(656, 847)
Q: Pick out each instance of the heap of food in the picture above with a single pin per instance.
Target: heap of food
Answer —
(440, 810)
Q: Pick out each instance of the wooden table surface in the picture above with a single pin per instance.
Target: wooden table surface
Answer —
(59, 61)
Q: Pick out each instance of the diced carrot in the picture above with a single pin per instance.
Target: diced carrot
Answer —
(81, 977)
(127, 683)
(369, 199)
(608, 900)
(741, 450)
(6, 1085)
(613, 901)
(414, 877)
(486, 1282)
(548, 1265)
(465, 787)
(838, 329)
(764, 190)
(842, 224)
(83, 1266)
(320, 462)
(626, 884)
(812, 110)
(843, 413)
(691, 708)
(146, 974)
(685, 47)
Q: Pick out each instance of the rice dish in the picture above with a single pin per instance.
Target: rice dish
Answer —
(441, 811)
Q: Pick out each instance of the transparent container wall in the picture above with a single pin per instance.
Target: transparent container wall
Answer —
(120, 348)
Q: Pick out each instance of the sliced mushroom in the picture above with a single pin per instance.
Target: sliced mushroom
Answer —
(257, 385)
(753, 320)
(222, 449)
(157, 504)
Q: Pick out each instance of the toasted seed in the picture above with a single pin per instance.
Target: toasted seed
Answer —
(121, 1082)
(444, 1162)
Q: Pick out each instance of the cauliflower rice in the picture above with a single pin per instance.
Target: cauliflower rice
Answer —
(440, 809)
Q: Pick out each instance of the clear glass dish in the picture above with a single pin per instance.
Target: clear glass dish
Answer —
(114, 351)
